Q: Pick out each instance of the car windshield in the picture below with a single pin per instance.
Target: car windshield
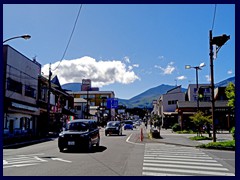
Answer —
(112, 124)
(77, 126)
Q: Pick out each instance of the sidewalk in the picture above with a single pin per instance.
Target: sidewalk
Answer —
(169, 137)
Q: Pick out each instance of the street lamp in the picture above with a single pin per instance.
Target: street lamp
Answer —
(197, 68)
(25, 36)
(219, 41)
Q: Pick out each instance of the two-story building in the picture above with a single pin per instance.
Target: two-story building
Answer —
(20, 93)
(167, 106)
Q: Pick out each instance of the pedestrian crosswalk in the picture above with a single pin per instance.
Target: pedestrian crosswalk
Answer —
(21, 161)
(171, 160)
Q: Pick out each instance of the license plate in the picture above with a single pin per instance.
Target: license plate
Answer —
(71, 143)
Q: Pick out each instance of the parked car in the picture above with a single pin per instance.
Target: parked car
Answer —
(128, 124)
(113, 127)
(79, 134)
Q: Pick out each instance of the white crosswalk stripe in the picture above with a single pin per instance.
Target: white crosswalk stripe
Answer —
(171, 160)
(22, 161)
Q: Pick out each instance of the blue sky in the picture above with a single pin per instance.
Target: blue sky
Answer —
(125, 48)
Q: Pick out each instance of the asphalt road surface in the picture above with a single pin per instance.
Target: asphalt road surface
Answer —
(118, 156)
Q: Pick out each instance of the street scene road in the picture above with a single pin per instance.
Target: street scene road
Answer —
(124, 155)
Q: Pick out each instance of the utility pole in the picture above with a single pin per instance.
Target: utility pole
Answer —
(48, 102)
(219, 41)
(212, 85)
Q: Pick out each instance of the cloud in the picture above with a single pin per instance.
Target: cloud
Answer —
(181, 77)
(208, 78)
(229, 72)
(161, 57)
(168, 69)
(100, 72)
(126, 59)
(135, 65)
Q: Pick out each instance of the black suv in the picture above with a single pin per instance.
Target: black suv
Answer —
(79, 133)
(113, 127)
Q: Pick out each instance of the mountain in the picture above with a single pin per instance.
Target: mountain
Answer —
(224, 83)
(72, 87)
(145, 99)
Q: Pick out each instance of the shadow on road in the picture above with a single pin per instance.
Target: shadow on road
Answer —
(94, 150)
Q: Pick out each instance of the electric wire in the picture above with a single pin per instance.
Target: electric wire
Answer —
(215, 9)
(80, 8)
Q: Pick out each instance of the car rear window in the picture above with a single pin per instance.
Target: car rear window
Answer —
(128, 122)
(112, 124)
(78, 126)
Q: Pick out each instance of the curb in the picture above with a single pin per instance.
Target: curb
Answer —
(27, 143)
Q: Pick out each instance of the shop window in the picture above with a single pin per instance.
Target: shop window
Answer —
(24, 123)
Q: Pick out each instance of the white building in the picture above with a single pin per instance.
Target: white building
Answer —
(20, 92)
(165, 106)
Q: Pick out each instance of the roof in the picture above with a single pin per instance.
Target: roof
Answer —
(177, 87)
(80, 100)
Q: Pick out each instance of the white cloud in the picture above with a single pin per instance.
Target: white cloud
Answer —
(208, 78)
(126, 59)
(168, 69)
(161, 57)
(229, 72)
(181, 77)
(135, 65)
(100, 72)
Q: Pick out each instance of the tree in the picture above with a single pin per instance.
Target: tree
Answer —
(230, 93)
(156, 121)
(199, 119)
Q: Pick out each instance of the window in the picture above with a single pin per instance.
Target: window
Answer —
(91, 96)
(83, 96)
(172, 102)
(30, 92)
(14, 86)
(24, 123)
(207, 90)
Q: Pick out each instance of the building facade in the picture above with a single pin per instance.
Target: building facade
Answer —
(20, 93)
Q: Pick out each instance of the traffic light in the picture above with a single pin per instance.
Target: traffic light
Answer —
(200, 93)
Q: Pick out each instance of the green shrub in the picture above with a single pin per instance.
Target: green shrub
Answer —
(176, 127)
(233, 132)
(199, 138)
(225, 145)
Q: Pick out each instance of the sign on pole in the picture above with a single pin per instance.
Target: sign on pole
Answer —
(112, 103)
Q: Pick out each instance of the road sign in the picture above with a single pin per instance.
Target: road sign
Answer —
(112, 103)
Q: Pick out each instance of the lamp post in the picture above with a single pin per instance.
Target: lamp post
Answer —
(26, 36)
(197, 68)
(219, 41)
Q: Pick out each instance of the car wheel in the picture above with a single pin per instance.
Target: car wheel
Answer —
(61, 149)
(106, 134)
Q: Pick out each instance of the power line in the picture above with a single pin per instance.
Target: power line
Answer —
(70, 37)
(215, 9)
